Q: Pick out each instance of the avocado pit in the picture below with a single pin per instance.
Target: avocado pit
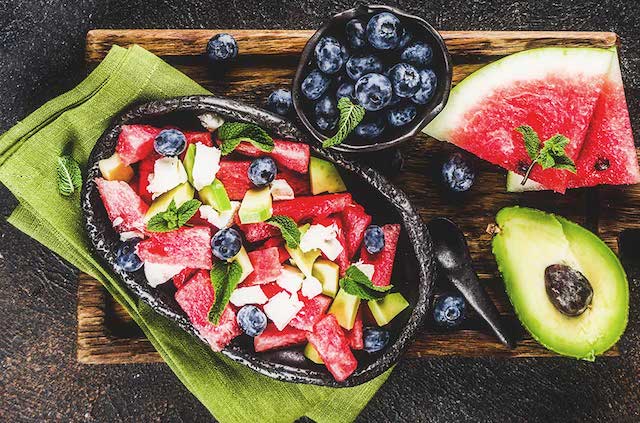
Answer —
(568, 289)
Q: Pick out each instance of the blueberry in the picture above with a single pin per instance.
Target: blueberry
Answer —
(326, 113)
(315, 84)
(126, 257)
(374, 239)
(262, 171)
(252, 320)
(384, 31)
(373, 91)
(371, 127)
(428, 83)
(345, 90)
(375, 339)
(359, 66)
(401, 115)
(222, 48)
(170, 142)
(458, 173)
(355, 33)
(330, 55)
(418, 54)
(405, 79)
(449, 310)
(404, 39)
(279, 102)
(226, 243)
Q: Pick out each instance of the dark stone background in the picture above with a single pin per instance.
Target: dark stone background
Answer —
(41, 55)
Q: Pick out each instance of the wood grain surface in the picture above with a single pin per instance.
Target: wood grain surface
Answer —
(106, 334)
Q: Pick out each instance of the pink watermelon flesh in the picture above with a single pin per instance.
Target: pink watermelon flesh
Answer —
(255, 232)
(333, 347)
(342, 260)
(196, 297)
(278, 242)
(266, 266)
(271, 289)
(383, 261)
(196, 137)
(190, 247)
(312, 311)
(354, 222)
(135, 142)
(272, 338)
(300, 184)
(145, 168)
(289, 154)
(355, 335)
(184, 275)
(122, 203)
(234, 176)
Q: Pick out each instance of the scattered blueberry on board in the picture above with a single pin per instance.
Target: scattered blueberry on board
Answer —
(374, 239)
(449, 310)
(170, 142)
(222, 48)
(251, 320)
(262, 171)
(126, 257)
(279, 102)
(226, 243)
(458, 173)
(375, 339)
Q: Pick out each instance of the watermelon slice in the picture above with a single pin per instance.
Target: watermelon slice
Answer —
(312, 311)
(186, 246)
(333, 347)
(145, 168)
(135, 142)
(553, 90)
(279, 243)
(196, 297)
(124, 207)
(271, 289)
(356, 334)
(342, 260)
(289, 154)
(272, 338)
(383, 261)
(255, 232)
(354, 222)
(184, 275)
(266, 266)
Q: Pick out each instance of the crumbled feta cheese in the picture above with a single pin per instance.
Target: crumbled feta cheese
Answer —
(311, 287)
(117, 221)
(323, 238)
(130, 234)
(282, 307)
(168, 173)
(218, 219)
(205, 165)
(290, 279)
(281, 190)
(157, 273)
(367, 269)
(211, 121)
(248, 295)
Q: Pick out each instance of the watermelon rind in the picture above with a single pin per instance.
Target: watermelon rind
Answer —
(514, 184)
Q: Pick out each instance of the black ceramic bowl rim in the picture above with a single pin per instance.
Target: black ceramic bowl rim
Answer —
(426, 116)
(99, 228)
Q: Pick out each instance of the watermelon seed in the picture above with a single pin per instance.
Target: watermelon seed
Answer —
(522, 167)
(602, 164)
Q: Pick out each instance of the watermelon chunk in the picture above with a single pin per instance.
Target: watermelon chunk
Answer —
(333, 347)
(196, 137)
(271, 289)
(266, 266)
(312, 311)
(383, 261)
(255, 232)
(300, 184)
(356, 334)
(342, 260)
(135, 142)
(195, 298)
(272, 338)
(186, 246)
(145, 168)
(354, 222)
(289, 154)
(278, 242)
(123, 205)
(184, 275)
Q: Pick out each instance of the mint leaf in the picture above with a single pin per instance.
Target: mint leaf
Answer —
(231, 134)
(173, 218)
(186, 211)
(350, 116)
(230, 130)
(531, 140)
(355, 282)
(552, 155)
(227, 146)
(288, 228)
(564, 162)
(157, 223)
(69, 175)
(225, 277)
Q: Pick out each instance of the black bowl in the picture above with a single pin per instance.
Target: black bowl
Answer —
(441, 65)
(414, 268)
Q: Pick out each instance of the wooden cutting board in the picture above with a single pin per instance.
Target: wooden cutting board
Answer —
(106, 334)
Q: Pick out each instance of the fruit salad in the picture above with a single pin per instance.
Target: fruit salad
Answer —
(256, 237)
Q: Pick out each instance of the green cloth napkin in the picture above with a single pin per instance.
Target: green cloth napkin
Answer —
(73, 122)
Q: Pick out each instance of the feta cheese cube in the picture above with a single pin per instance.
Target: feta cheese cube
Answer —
(281, 308)
(323, 238)
(211, 121)
(205, 165)
(281, 190)
(218, 219)
(290, 279)
(168, 173)
(311, 287)
(248, 295)
(158, 274)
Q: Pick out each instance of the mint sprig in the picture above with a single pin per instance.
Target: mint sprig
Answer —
(288, 228)
(350, 116)
(550, 154)
(355, 282)
(69, 175)
(173, 218)
(231, 134)
(225, 277)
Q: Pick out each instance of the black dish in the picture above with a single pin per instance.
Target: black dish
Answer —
(442, 66)
(414, 268)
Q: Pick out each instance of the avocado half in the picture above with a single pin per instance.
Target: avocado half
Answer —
(528, 242)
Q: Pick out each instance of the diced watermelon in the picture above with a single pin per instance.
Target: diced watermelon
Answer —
(255, 232)
(342, 260)
(234, 176)
(383, 261)
(333, 347)
(123, 205)
(271, 289)
(300, 183)
(196, 297)
(184, 275)
(355, 220)
(289, 154)
(266, 266)
(272, 338)
(135, 142)
(145, 168)
(196, 137)
(186, 246)
(278, 242)
(312, 311)
(355, 335)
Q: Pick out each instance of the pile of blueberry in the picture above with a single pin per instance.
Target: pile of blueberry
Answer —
(380, 65)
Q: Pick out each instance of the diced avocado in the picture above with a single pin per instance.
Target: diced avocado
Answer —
(324, 177)
(256, 206)
(304, 261)
(514, 184)
(345, 308)
(215, 195)
(385, 309)
(242, 258)
(327, 272)
(312, 354)
(112, 169)
(180, 194)
(189, 161)
(531, 241)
